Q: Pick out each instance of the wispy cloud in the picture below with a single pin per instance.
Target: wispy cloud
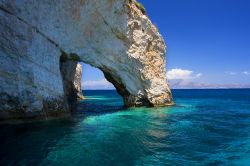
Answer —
(97, 84)
(246, 72)
(231, 73)
(182, 74)
(236, 73)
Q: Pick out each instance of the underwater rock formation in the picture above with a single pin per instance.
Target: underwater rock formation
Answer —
(38, 37)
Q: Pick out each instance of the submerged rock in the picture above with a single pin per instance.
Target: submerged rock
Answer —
(38, 38)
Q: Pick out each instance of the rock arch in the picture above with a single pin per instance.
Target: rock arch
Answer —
(114, 36)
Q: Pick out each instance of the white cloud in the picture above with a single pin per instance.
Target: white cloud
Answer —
(246, 73)
(231, 73)
(181, 74)
(198, 75)
(235, 73)
(97, 84)
(187, 79)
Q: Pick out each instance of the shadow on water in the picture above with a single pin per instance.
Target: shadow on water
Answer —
(98, 102)
(28, 144)
(31, 143)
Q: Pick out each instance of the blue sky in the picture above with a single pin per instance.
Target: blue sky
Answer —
(208, 42)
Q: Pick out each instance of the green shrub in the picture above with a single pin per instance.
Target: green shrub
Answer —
(74, 57)
(64, 57)
(139, 6)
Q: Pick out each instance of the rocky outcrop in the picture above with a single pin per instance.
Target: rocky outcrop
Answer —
(71, 72)
(114, 36)
(77, 82)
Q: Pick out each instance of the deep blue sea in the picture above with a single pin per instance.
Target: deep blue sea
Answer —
(205, 127)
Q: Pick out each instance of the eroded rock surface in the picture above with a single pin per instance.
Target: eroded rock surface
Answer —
(114, 36)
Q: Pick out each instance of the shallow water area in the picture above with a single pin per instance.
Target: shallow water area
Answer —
(205, 127)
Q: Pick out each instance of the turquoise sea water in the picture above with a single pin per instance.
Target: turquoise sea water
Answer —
(205, 127)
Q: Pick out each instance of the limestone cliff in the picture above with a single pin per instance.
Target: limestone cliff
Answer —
(113, 35)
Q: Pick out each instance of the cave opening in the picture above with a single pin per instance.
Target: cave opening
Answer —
(81, 80)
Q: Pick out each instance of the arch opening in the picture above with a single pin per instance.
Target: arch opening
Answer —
(94, 79)
(78, 77)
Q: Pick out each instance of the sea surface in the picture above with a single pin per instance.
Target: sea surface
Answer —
(205, 127)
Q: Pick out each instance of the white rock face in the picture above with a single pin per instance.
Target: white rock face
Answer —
(112, 35)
